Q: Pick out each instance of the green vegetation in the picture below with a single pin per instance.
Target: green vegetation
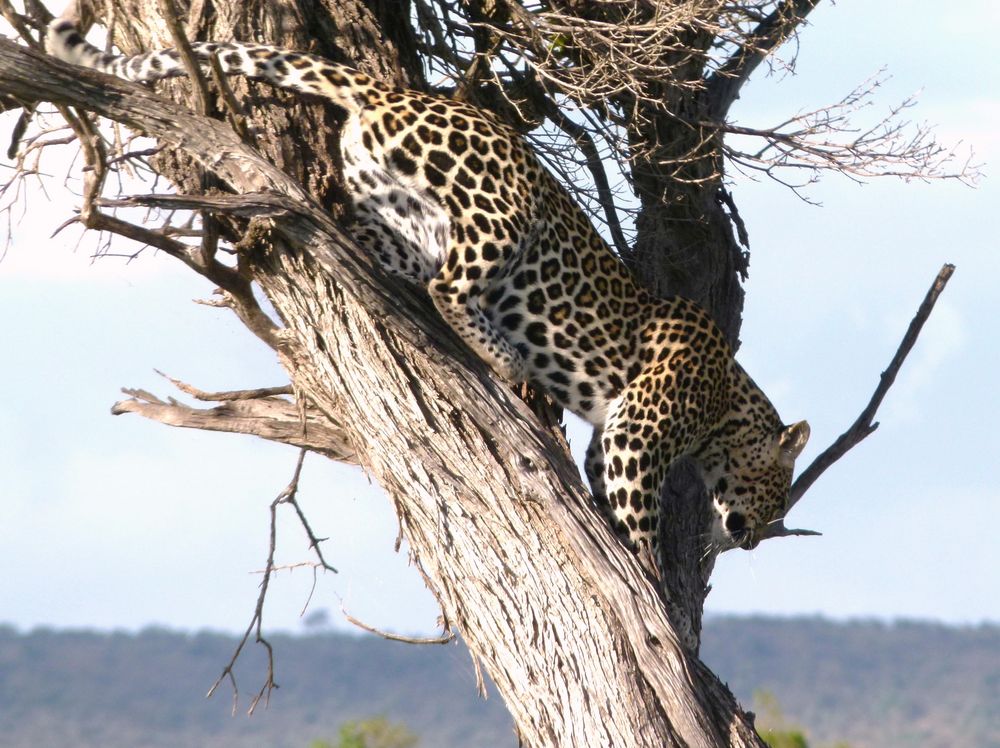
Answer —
(906, 684)
(773, 727)
(376, 732)
(771, 724)
(784, 738)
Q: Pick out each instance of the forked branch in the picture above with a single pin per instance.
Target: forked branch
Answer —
(256, 622)
(253, 412)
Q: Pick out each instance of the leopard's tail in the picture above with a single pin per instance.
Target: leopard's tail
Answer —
(295, 71)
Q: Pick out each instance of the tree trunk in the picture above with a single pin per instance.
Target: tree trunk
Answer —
(568, 625)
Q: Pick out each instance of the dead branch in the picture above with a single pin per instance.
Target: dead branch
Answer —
(314, 541)
(864, 425)
(826, 139)
(271, 418)
(256, 622)
(227, 395)
(450, 636)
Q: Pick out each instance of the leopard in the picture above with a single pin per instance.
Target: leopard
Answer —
(447, 196)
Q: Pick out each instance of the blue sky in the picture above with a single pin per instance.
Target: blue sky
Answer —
(118, 522)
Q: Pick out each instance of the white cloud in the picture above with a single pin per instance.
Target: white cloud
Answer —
(943, 338)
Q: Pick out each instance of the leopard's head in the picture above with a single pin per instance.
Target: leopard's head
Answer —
(748, 482)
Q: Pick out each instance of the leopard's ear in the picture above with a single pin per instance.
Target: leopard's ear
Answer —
(791, 441)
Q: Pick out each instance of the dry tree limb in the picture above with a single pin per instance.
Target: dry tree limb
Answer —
(450, 636)
(864, 425)
(271, 418)
(227, 395)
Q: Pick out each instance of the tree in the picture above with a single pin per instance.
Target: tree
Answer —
(774, 728)
(574, 634)
(376, 732)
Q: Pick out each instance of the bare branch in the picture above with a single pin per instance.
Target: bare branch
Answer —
(725, 83)
(397, 637)
(826, 139)
(271, 418)
(865, 425)
(314, 541)
(227, 395)
(256, 622)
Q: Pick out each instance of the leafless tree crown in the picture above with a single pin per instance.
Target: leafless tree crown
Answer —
(646, 88)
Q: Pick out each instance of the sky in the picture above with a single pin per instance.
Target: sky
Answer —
(119, 523)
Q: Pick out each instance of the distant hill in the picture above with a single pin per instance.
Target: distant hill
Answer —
(867, 684)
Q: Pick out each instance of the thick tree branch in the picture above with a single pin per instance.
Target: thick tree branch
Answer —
(269, 417)
(724, 85)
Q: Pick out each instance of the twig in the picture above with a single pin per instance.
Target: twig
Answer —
(864, 425)
(725, 84)
(255, 623)
(226, 395)
(397, 637)
(313, 540)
